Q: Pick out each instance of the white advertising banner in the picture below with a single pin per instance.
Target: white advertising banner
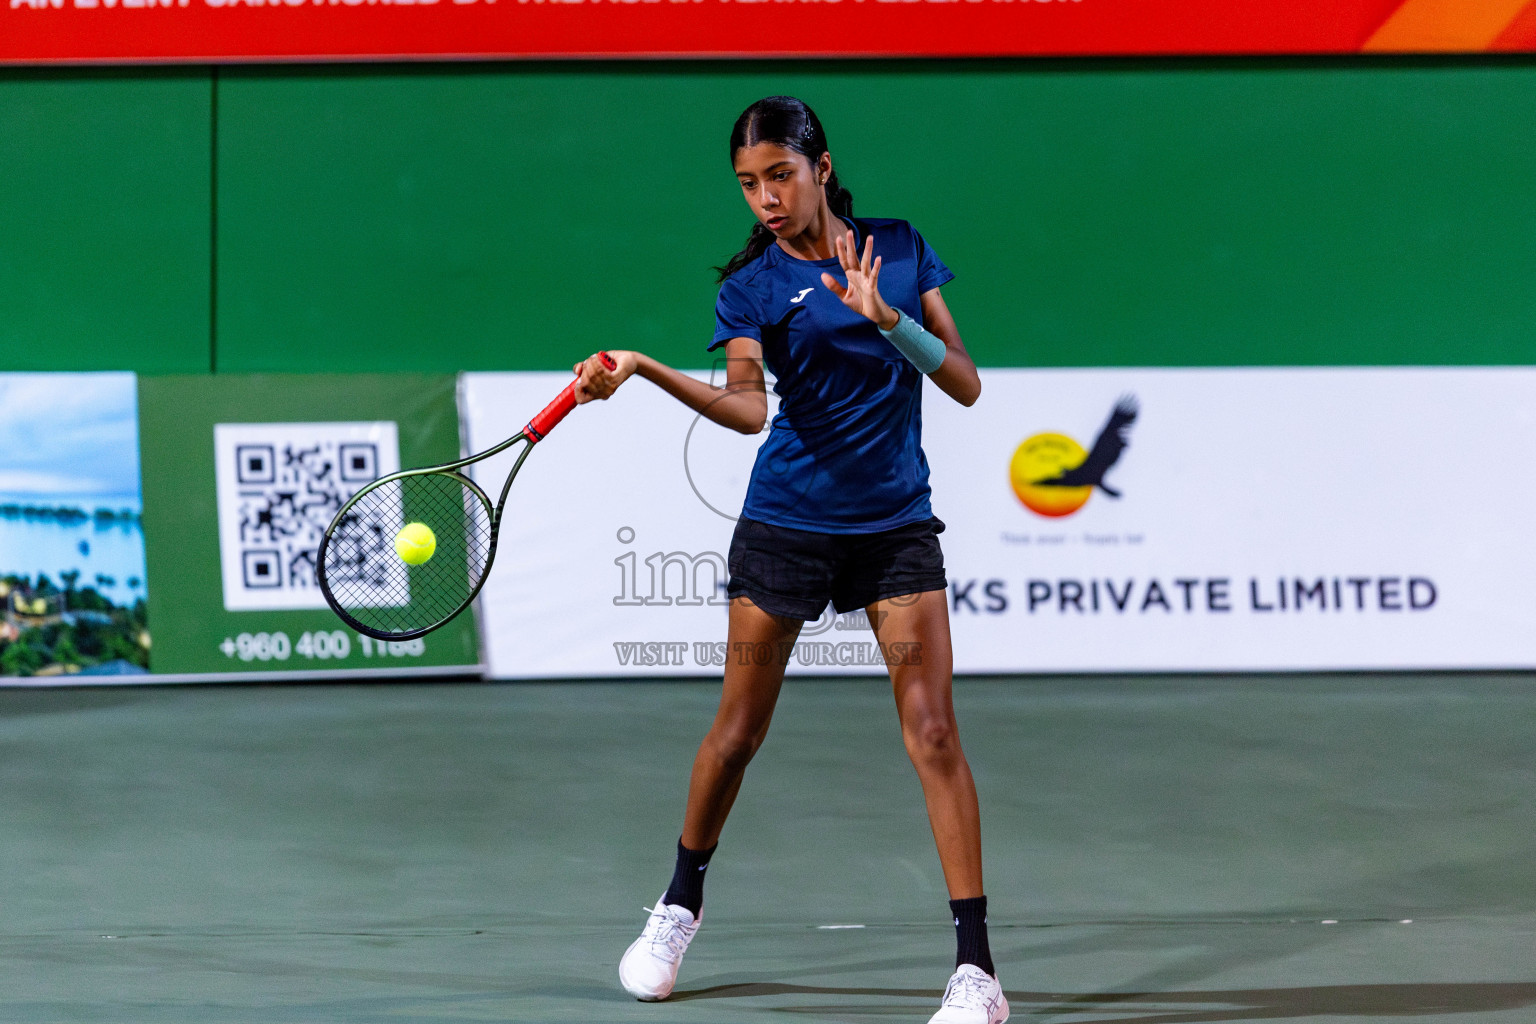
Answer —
(1098, 520)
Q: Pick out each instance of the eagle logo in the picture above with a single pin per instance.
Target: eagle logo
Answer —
(1053, 476)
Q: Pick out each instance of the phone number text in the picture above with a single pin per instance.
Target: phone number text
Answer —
(319, 645)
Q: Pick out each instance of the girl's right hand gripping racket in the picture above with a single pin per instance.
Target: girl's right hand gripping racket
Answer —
(369, 584)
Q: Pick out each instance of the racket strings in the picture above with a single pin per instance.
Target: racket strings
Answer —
(376, 589)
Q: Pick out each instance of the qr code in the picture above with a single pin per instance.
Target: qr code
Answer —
(279, 487)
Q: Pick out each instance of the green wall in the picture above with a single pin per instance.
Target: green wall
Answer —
(440, 218)
(104, 220)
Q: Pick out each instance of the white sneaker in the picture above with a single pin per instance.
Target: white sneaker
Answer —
(649, 967)
(973, 997)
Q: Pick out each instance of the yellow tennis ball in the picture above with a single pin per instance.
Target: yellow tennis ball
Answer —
(415, 543)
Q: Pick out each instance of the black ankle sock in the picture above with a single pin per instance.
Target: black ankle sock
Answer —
(971, 933)
(687, 888)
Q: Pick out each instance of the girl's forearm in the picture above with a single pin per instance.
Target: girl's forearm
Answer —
(957, 377)
(743, 409)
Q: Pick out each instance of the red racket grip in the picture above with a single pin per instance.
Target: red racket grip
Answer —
(539, 427)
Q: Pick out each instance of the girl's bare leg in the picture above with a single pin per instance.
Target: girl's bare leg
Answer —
(756, 652)
(914, 630)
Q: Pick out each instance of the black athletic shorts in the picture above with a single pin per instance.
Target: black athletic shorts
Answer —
(794, 573)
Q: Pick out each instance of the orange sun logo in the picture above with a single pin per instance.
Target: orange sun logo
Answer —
(1052, 474)
(1043, 457)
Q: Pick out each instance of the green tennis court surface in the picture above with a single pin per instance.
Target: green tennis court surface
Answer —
(1158, 851)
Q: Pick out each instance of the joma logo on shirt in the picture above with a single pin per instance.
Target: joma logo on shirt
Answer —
(802, 295)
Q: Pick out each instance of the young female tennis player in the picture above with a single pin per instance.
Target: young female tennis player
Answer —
(847, 314)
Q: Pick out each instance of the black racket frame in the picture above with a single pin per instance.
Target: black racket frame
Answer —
(449, 469)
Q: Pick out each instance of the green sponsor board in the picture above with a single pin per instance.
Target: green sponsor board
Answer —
(240, 474)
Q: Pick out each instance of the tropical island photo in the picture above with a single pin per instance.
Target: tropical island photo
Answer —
(72, 582)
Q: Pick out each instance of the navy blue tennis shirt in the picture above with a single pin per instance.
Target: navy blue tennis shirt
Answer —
(844, 453)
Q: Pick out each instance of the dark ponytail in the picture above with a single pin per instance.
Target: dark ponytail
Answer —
(788, 122)
(758, 241)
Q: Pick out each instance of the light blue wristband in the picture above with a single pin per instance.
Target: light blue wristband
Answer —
(923, 350)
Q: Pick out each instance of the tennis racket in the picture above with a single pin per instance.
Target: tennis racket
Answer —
(372, 588)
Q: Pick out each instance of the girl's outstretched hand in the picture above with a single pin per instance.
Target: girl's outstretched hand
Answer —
(862, 292)
(596, 381)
